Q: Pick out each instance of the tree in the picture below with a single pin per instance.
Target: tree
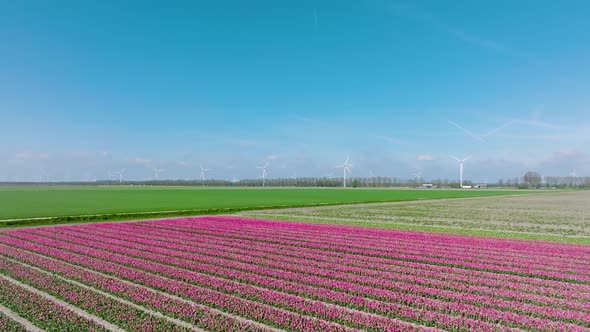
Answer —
(532, 179)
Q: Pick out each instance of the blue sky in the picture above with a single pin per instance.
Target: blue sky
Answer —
(96, 86)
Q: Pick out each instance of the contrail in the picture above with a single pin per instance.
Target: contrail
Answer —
(466, 131)
(315, 18)
(531, 123)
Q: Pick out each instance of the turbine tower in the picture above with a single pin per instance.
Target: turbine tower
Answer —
(345, 167)
(121, 175)
(418, 175)
(574, 182)
(461, 161)
(158, 171)
(263, 168)
(203, 171)
(44, 175)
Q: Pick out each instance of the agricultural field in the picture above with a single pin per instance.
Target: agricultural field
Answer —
(227, 273)
(561, 216)
(67, 204)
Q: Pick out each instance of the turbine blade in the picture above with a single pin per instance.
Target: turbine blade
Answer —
(457, 159)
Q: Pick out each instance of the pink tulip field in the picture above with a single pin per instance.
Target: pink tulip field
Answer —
(223, 273)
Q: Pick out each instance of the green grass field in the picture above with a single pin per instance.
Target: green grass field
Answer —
(68, 204)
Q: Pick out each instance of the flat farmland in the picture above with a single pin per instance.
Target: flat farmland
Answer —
(227, 273)
(561, 216)
(110, 203)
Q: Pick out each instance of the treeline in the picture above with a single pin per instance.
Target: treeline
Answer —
(546, 182)
(373, 182)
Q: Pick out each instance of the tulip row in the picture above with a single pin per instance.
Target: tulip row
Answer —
(389, 238)
(421, 252)
(351, 262)
(567, 254)
(214, 297)
(423, 304)
(8, 325)
(228, 273)
(457, 282)
(42, 312)
(192, 313)
(299, 272)
(99, 305)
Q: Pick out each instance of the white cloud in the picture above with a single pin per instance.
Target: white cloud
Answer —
(78, 154)
(28, 155)
(566, 152)
(424, 157)
(273, 157)
(142, 161)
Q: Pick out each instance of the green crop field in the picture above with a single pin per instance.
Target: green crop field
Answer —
(77, 203)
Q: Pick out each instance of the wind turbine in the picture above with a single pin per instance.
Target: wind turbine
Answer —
(573, 174)
(203, 171)
(461, 161)
(158, 171)
(418, 175)
(345, 167)
(263, 168)
(120, 175)
(44, 175)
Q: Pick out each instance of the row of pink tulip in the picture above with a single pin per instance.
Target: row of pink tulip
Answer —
(564, 289)
(196, 314)
(179, 285)
(568, 254)
(457, 282)
(42, 312)
(9, 325)
(404, 284)
(277, 298)
(462, 309)
(417, 252)
(115, 312)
